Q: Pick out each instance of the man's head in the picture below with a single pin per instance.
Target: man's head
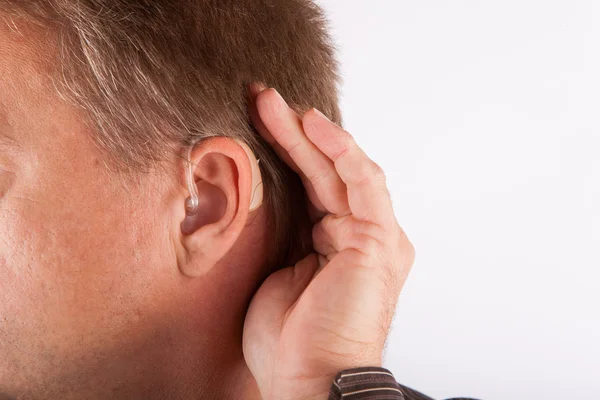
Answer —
(99, 101)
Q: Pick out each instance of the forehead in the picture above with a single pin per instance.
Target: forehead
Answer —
(44, 128)
(25, 69)
(9, 79)
(24, 54)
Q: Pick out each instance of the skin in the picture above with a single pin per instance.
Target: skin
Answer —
(333, 309)
(103, 296)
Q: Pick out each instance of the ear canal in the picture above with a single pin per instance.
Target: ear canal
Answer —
(256, 200)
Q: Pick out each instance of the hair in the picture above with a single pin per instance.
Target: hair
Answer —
(154, 76)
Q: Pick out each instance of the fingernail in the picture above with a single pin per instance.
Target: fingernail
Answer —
(256, 88)
(260, 86)
(320, 114)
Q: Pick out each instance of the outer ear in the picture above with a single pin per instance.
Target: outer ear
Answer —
(229, 187)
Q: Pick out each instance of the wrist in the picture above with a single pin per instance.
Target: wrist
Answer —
(301, 388)
(319, 388)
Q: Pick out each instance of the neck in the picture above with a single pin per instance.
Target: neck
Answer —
(194, 352)
(165, 367)
(209, 362)
(206, 360)
(210, 368)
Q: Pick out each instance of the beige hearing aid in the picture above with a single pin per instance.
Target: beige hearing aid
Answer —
(256, 199)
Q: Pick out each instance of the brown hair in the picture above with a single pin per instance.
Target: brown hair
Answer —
(157, 75)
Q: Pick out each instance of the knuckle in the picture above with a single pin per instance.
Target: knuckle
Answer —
(410, 254)
(399, 260)
(292, 148)
(328, 222)
(406, 246)
(334, 230)
(377, 171)
(372, 167)
(369, 172)
(402, 262)
(370, 246)
(342, 153)
(318, 231)
(348, 140)
(376, 231)
(318, 177)
(362, 258)
(349, 232)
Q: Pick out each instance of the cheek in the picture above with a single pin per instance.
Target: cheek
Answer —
(7, 178)
(70, 273)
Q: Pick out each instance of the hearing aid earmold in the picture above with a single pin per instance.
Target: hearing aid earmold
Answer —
(192, 203)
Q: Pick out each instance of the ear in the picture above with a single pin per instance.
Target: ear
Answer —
(229, 185)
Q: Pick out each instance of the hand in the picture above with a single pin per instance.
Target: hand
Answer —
(333, 309)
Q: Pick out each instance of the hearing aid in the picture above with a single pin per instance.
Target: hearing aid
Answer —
(192, 202)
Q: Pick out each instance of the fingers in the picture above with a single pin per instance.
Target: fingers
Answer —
(368, 197)
(327, 158)
(390, 255)
(254, 90)
(285, 127)
(336, 234)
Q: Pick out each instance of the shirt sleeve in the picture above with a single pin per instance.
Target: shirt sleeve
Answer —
(371, 383)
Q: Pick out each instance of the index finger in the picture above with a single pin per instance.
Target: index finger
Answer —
(285, 126)
(368, 196)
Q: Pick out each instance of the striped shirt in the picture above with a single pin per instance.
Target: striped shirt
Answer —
(372, 383)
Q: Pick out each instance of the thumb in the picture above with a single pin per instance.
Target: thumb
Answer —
(269, 308)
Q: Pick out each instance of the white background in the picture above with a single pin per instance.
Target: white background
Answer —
(485, 116)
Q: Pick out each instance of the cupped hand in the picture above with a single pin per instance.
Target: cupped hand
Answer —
(333, 309)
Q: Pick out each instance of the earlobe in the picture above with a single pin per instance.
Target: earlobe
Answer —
(224, 184)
